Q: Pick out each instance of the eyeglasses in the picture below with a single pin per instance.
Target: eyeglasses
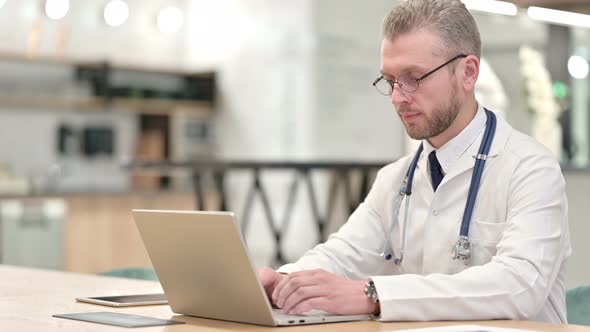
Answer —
(407, 82)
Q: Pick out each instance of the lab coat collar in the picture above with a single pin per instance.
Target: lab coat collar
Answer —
(467, 160)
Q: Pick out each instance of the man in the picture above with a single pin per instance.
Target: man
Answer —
(519, 234)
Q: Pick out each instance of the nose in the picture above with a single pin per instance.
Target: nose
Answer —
(398, 96)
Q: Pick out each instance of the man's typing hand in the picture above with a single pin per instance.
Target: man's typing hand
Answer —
(302, 291)
(269, 279)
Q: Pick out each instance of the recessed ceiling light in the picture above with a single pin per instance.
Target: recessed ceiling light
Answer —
(578, 67)
(116, 13)
(491, 6)
(559, 16)
(56, 9)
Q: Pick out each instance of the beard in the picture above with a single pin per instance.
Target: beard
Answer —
(436, 122)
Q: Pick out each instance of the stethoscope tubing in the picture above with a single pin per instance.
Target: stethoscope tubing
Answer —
(406, 190)
(477, 174)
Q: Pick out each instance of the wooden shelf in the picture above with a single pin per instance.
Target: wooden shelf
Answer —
(68, 61)
(160, 106)
(42, 59)
(97, 102)
(42, 102)
(151, 106)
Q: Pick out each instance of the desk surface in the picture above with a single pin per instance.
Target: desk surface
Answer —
(29, 297)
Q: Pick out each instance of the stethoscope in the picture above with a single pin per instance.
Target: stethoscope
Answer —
(462, 250)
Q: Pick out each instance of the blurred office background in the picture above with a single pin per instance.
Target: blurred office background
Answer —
(261, 107)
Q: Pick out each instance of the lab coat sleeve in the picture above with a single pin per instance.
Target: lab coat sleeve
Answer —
(516, 283)
(354, 251)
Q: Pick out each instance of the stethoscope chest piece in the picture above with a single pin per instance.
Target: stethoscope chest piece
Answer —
(463, 250)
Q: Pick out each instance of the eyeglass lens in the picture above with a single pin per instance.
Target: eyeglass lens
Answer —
(405, 82)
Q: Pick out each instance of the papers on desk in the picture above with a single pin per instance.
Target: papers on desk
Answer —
(463, 328)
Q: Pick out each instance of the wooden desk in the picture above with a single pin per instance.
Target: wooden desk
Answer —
(29, 297)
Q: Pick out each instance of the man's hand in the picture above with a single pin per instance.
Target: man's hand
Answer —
(269, 279)
(302, 291)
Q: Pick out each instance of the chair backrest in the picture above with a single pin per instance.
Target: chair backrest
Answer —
(141, 273)
(578, 305)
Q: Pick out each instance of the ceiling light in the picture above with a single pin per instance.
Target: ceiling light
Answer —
(116, 12)
(491, 6)
(170, 19)
(578, 67)
(559, 16)
(2, 2)
(56, 9)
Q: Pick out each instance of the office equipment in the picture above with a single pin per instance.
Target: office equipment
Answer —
(126, 300)
(118, 319)
(204, 268)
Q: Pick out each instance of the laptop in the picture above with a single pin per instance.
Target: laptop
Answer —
(205, 270)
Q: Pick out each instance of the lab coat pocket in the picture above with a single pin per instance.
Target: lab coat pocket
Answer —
(484, 237)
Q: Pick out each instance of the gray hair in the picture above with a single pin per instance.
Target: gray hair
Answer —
(450, 19)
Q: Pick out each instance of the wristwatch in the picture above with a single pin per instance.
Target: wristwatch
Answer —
(371, 291)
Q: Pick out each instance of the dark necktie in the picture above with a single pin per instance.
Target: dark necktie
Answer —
(435, 170)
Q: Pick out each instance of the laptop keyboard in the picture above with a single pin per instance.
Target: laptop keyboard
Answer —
(278, 314)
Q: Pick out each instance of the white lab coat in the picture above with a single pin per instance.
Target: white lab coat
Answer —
(519, 234)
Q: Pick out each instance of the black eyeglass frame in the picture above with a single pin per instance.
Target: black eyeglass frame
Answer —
(392, 82)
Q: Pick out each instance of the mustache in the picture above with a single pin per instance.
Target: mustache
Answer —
(406, 109)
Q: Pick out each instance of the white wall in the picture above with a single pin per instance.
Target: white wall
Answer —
(351, 119)
(262, 51)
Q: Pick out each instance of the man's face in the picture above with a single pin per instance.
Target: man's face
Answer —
(430, 110)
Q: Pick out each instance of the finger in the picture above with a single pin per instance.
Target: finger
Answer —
(293, 285)
(301, 294)
(317, 303)
(278, 287)
(285, 281)
(266, 277)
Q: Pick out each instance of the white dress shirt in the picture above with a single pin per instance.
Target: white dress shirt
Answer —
(449, 153)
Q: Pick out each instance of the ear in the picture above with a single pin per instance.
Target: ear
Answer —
(470, 72)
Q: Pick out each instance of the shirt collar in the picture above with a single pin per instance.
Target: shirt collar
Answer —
(451, 151)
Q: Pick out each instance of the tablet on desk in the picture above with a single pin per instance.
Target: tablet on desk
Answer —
(126, 300)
